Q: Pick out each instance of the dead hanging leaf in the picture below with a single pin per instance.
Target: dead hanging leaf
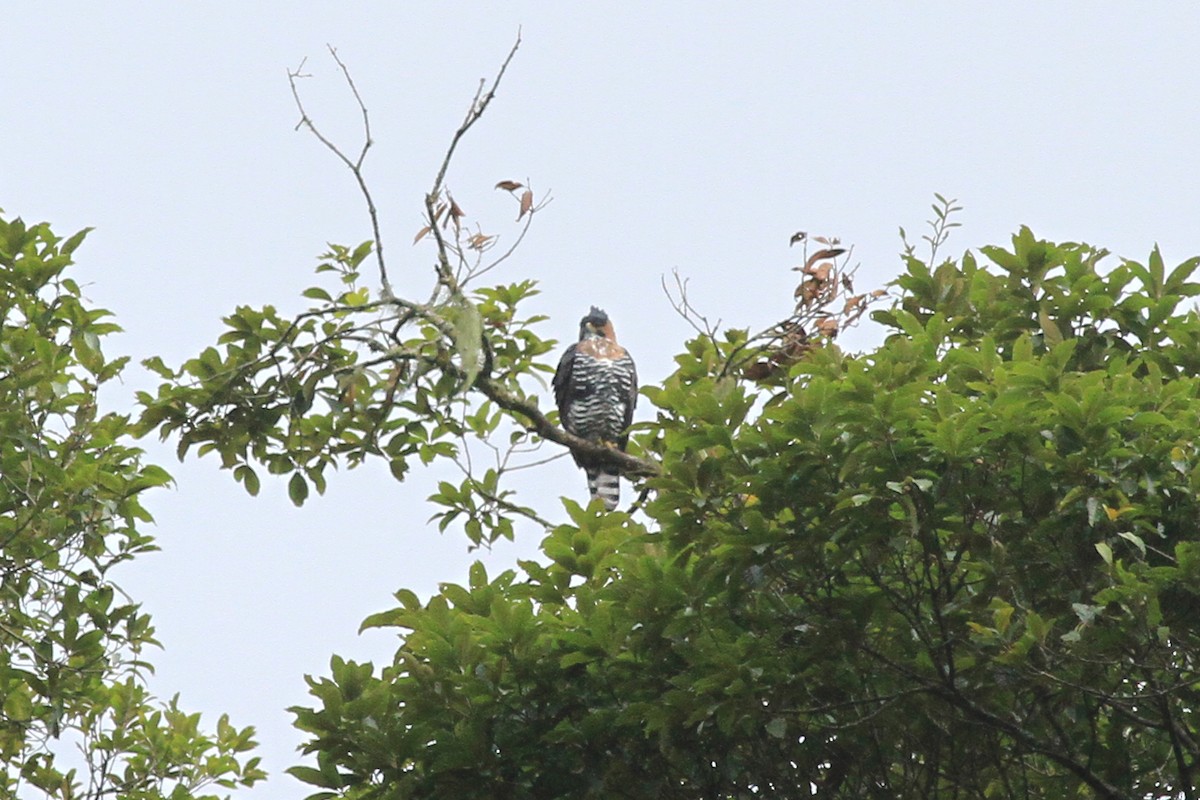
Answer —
(526, 203)
(421, 234)
(509, 186)
(793, 346)
(878, 293)
(807, 292)
(759, 370)
(852, 302)
(821, 255)
(456, 213)
(798, 236)
(847, 284)
(827, 327)
(479, 241)
(822, 240)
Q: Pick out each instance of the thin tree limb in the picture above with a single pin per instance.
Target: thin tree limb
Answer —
(355, 166)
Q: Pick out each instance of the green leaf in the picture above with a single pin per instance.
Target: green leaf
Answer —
(248, 478)
(18, 707)
(384, 619)
(314, 777)
(1050, 329)
(298, 489)
(478, 576)
(1135, 540)
(777, 727)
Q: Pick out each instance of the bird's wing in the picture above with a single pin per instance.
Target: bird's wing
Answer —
(632, 394)
(562, 380)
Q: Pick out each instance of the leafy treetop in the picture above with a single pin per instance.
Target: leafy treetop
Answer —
(962, 564)
(72, 644)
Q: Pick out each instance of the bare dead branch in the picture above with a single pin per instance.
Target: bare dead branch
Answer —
(355, 166)
(479, 104)
(684, 308)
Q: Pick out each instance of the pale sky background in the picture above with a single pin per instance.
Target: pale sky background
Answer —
(696, 136)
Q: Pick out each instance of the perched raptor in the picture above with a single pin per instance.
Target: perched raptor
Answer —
(596, 390)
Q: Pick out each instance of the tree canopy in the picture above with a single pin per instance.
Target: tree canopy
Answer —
(960, 564)
(963, 564)
(76, 719)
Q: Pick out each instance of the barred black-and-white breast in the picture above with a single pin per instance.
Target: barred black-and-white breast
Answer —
(596, 390)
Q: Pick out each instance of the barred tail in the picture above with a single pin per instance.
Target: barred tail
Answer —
(606, 486)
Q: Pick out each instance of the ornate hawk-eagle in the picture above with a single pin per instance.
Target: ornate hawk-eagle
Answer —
(596, 390)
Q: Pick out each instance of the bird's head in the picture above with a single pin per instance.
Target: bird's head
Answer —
(596, 323)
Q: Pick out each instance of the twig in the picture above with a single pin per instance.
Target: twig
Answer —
(501, 503)
(478, 105)
(684, 308)
(356, 165)
(517, 243)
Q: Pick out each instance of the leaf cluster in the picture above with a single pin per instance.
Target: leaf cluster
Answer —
(71, 643)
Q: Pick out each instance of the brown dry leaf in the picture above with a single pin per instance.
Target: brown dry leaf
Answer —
(808, 292)
(878, 293)
(758, 371)
(827, 327)
(820, 255)
(798, 236)
(456, 213)
(479, 241)
(526, 203)
(822, 240)
(851, 302)
(847, 284)
(795, 345)
(421, 234)
(509, 186)
(821, 273)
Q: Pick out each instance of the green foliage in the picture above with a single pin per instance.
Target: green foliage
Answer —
(354, 378)
(964, 564)
(71, 643)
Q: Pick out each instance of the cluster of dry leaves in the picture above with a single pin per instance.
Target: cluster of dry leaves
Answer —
(447, 212)
(817, 316)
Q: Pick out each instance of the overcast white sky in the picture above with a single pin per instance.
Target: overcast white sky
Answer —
(696, 136)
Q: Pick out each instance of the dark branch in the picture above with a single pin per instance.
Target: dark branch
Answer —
(950, 694)
(538, 423)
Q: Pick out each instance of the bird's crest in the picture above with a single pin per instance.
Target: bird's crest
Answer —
(597, 320)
